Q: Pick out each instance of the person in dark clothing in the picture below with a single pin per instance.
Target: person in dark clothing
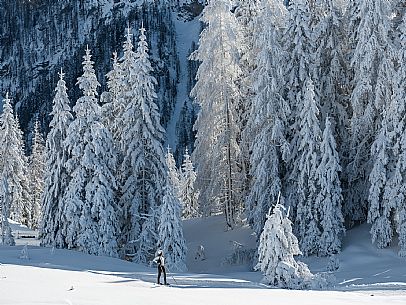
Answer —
(160, 260)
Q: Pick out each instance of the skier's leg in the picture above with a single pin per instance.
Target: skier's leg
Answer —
(163, 269)
(159, 275)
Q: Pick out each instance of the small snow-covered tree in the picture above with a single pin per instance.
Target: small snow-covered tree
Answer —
(37, 175)
(13, 164)
(276, 251)
(56, 175)
(6, 236)
(170, 232)
(329, 200)
(189, 196)
(90, 207)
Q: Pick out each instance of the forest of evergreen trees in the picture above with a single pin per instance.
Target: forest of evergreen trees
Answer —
(300, 104)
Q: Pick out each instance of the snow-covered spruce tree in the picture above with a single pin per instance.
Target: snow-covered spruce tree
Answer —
(189, 196)
(387, 180)
(13, 164)
(90, 210)
(6, 236)
(372, 74)
(170, 231)
(217, 152)
(297, 66)
(143, 168)
(329, 199)
(276, 251)
(380, 209)
(332, 80)
(398, 180)
(56, 176)
(304, 174)
(36, 176)
(246, 12)
(268, 115)
(113, 105)
(174, 173)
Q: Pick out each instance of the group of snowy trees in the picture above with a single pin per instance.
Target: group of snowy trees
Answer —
(21, 177)
(304, 98)
(108, 188)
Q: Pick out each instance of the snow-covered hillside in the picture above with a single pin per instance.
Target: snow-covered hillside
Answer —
(54, 276)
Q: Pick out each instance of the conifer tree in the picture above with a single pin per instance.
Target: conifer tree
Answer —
(143, 168)
(276, 251)
(372, 66)
(398, 179)
(304, 174)
(56, 175)
(6, 237)
(329, 199)
(170, 230)
(90, 207)
(217, 151)
(13, 164)
(189, 196)
(269, 113)
(37, 175)
(114, 104)
(174, 173)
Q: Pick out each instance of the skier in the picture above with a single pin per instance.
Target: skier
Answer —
(160, 260)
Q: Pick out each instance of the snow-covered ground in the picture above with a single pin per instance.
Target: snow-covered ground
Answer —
(54, 276)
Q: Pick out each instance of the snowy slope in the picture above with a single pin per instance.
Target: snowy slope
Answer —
(53, 276)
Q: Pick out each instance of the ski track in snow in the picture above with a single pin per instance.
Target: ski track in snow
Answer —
(186, 32)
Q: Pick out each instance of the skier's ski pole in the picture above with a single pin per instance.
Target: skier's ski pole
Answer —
(172, 277)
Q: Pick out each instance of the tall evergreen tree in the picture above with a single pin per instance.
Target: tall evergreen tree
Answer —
(6, 236)
(143, 168)
(113, 106)
(174, 173)
(329, 199)
(90, 208)
(170, 231)
(13, 164)
(36, 176)
(217, 152)
(372, 90)
(56, 175)
(399, 177)
(298, 65)
(304, 173)
(269, 113)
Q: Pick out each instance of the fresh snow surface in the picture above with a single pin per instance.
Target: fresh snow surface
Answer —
(54, 276)
(186, 33)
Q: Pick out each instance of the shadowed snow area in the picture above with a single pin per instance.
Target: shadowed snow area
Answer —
(53, 276)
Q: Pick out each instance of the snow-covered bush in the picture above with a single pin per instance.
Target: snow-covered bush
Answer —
(24, 253)
(241, 256)
(333, 263)
(276, 251)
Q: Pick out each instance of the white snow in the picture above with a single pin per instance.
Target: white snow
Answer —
(53, 276)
